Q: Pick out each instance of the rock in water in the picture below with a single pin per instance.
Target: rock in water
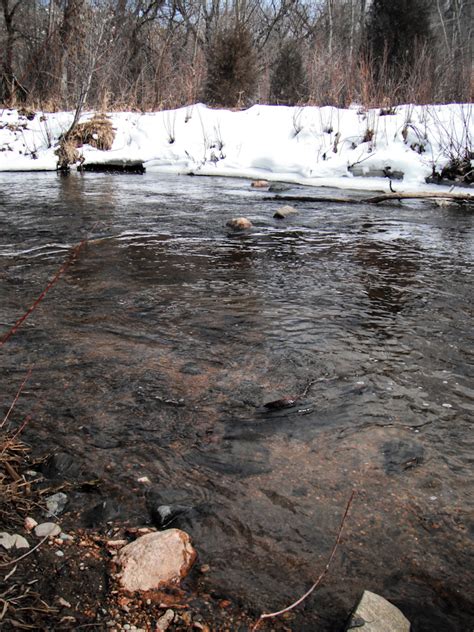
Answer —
(400, 455)
(239, 223)
(285, 211)
(260, 184)
(155, 560)
(164, 515)
(376, 614)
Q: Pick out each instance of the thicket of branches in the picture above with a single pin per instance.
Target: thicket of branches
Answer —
(154, 54)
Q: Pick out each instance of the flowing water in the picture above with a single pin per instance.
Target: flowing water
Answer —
(155, 353)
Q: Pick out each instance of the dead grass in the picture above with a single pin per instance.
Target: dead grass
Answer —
(15, 497)
(98, 133)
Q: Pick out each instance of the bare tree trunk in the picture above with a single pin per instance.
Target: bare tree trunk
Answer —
(8, 75)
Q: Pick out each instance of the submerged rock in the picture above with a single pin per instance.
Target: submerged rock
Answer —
(239, 223)
(285, 211)
(101, 513)
(155, 560)
(164, 515)
(400, 455)
(376, 614)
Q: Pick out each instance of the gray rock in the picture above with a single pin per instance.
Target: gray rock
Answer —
(279, 187)
(56, 504)
(6, 540)
(47, 528)
(61, 465)
(285, 211)
(155, 560)
(376, 614)
(15, 540)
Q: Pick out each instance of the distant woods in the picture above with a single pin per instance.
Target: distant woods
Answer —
(157, 54)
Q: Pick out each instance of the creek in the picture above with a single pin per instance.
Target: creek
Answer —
(155, 353)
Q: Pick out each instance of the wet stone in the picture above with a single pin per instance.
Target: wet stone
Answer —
(61, 465)
(163, 515)
(101, 513)
(400, 455)
(279, 187)
(285, 211)
(239, 223)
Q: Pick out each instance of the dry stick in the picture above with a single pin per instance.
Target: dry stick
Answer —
(17, 559)
(16, 397)
(74, 254)
(320, 578)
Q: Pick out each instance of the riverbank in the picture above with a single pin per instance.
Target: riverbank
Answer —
(410, 147)
(68, 581)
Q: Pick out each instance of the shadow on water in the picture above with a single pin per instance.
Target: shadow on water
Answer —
(156, 352)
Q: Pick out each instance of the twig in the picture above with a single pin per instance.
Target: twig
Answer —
(16, 398)
(17, 559)
(72, 257)
(321, 576)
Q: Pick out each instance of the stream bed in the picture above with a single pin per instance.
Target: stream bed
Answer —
(155, 353)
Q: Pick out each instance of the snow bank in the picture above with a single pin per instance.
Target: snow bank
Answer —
(307, 145)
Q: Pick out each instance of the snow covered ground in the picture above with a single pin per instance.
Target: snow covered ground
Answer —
(320, 146)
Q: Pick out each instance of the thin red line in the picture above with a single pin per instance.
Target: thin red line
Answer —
(74, 254)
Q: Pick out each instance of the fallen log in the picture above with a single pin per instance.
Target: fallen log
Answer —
(435, 195)
(460, 198)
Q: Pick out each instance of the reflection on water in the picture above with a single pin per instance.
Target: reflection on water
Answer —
(155, 354)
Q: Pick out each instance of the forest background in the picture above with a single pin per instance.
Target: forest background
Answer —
(151, 55)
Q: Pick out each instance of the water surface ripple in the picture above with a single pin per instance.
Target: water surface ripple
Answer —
(155, 353)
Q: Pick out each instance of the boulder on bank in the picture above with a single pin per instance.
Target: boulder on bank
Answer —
(285, 211)
(376, 614)
(239, 223)
(155, 560)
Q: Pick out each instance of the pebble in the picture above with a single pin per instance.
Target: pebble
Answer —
(165, 621)
(47, 528)
(59, 553)
(30, 523)
(63, 602)
(144, 480)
